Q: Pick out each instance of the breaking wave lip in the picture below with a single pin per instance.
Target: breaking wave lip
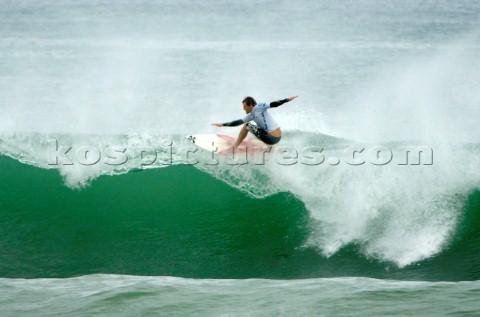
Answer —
(80, 158)
(400, 214)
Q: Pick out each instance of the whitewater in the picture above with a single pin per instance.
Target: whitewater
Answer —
(372, 195)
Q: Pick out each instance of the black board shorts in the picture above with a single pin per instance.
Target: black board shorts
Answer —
(262, 135)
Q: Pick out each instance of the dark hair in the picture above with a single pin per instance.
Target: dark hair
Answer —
(249, 101)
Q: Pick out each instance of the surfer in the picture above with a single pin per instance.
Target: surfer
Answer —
(266, 128)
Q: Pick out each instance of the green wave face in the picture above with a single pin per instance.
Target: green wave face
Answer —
(180, 221)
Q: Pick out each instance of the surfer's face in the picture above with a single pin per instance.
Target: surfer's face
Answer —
(247, 109)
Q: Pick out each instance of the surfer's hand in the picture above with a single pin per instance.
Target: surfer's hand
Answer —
(291, 98)
(217, 124)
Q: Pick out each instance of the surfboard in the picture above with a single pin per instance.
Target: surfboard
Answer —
(222, 143)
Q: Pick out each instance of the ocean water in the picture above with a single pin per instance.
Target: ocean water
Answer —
(369, 206)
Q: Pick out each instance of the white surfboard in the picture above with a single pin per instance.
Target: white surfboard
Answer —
(222, 143)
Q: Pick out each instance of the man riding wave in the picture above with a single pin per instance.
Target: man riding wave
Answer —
(266, 128)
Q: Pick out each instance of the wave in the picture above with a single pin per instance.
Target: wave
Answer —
(122, 295)
(274, 220)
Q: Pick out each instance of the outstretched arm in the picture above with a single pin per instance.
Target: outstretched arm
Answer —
(229, 124)
(274, 104)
